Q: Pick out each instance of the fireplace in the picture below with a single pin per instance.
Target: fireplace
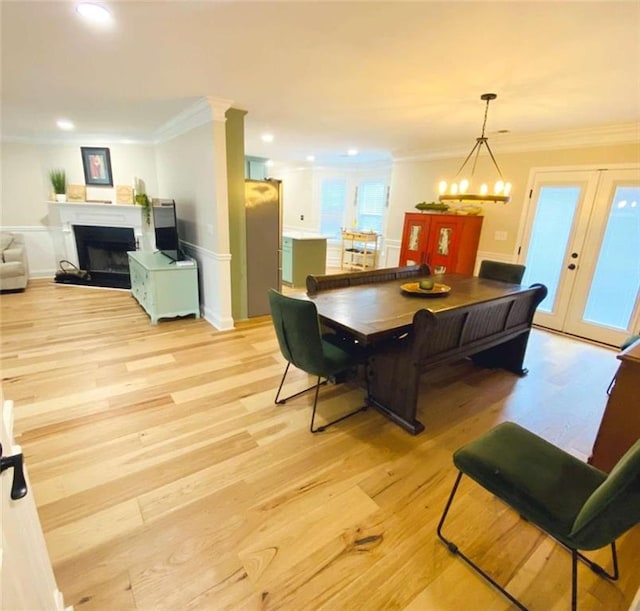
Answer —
(102, 251)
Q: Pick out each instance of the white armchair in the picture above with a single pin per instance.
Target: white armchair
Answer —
(14, 267)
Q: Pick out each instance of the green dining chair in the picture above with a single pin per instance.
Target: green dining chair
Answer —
(505, 272)
(327, 357)
(632, 339)
(580, 506)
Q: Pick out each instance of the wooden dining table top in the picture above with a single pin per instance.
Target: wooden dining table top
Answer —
(370, 312)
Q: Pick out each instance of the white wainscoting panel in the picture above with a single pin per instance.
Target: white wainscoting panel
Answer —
(391, 253)
(214, 279)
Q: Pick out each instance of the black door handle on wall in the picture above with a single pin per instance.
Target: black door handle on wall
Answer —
(19, 484)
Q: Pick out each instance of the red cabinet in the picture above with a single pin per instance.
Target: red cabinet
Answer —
(441, 240)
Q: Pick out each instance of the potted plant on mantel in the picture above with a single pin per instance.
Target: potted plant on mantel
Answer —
(58, 180)
(142, 199)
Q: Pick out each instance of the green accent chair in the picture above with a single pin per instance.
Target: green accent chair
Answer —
(505, 272)
(578, 505)
(632, 339)
(298, 331)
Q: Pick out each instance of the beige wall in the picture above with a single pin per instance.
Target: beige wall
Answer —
(25, 181)
(302, 191)
(416, 181)
(298, 199)
(185, 170)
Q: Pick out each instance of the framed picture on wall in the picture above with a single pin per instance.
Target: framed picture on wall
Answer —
(97, 166)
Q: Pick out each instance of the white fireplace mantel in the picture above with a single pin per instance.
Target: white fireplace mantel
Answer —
(102, 215)
(63, 216)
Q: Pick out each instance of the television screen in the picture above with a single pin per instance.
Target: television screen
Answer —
(166, 228)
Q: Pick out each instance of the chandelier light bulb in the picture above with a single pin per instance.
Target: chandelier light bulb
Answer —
(467, 188)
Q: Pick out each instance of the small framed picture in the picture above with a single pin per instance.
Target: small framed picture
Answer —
(97, 166)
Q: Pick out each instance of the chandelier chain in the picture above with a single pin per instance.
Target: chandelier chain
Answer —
(486, 112)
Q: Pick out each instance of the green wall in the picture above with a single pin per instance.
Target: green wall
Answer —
(237, 223)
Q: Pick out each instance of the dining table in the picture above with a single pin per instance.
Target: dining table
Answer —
(460, 316)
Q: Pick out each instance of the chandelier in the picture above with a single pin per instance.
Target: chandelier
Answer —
(461, 189)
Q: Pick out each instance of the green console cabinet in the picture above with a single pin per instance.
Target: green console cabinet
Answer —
(164, 288)
(302, 255)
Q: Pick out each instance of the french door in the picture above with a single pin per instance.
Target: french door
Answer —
(582, 240)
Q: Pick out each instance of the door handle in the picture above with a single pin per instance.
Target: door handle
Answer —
(571, 266)
(19, 484)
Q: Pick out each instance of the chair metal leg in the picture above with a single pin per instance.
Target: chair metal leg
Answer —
(594, 566)
(574, 579)
(575, 556)
(283, 401)
(316, 386)
(597, 569)
(453, 548)
(324, 427)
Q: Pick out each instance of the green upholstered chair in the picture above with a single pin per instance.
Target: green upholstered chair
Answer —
(505, 272)
(632, 339)
(301, 344)
(577, 504)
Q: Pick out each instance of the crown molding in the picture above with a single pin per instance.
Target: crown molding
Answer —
(605, 135)
(203, 111)
(82, 139)
(219, 107)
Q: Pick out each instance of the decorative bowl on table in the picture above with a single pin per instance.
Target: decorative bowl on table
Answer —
(437, 289)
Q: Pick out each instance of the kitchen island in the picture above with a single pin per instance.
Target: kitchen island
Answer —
(302, 254)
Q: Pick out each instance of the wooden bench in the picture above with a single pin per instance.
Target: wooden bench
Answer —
(316, 284)
(494, 334)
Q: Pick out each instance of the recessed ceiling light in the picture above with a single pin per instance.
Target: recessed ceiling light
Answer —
(352, 152)
(267, 137)
(65, 124)
(311, 158)
(97, 13)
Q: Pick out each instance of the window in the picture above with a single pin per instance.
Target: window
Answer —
(333, 198)
(372, 202)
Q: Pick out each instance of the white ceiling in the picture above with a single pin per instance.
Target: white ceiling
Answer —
(388, 78)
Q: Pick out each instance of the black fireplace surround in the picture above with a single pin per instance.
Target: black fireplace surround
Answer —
(102, 251)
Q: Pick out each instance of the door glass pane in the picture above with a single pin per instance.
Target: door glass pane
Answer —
(549, 235)
(616, 280)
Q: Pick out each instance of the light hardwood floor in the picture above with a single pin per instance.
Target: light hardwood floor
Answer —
(166, 478)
